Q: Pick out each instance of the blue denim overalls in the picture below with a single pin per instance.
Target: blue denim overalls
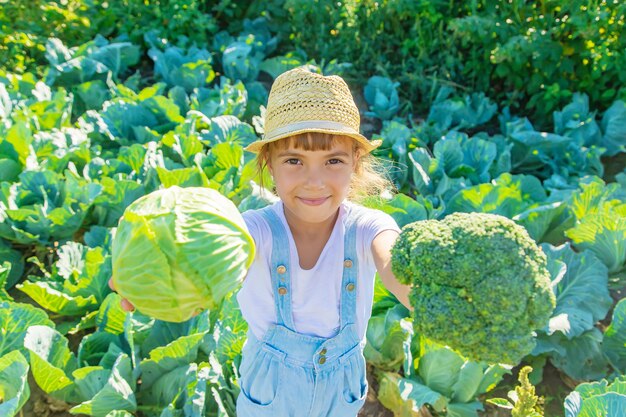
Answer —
(288, 374)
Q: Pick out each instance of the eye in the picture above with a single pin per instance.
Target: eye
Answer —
(292, 161)
(335, 161)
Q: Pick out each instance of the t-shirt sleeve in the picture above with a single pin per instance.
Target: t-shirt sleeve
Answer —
(374, 223)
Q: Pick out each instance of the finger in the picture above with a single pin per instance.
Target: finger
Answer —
(126, 305)
(111, 285)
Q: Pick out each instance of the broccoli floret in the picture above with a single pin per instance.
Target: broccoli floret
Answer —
(480, 284)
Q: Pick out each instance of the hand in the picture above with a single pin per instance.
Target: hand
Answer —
(126, 305)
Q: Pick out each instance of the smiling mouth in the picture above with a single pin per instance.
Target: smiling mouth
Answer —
(313, 201)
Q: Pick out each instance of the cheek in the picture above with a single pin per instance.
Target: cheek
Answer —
(341, 179)
(282, 179)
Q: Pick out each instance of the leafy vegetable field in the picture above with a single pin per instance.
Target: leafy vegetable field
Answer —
(512, 108)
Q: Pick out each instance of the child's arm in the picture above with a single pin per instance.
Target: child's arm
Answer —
(381, 249)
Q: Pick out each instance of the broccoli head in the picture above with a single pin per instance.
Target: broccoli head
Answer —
(480, 284)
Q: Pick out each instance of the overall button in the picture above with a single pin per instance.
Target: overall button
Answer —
(282, 290)
(322, 360)
(323, 351)
(347, 263)
(281, 269)
(350, 287)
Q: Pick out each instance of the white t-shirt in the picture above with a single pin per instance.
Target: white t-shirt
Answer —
(315, 292)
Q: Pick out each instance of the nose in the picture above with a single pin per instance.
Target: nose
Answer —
(314, 179)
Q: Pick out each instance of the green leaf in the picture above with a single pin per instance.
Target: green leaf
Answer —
(111, 317)
(90, 95)
(51, 361)
(85, 275)
(6, 106)
(507, 195)
(121, 117)
(614, 128)
(5, 269)
(224, 99)
(183, 177)
(465, 388)
(492, 377)
(469, 111)
(381, 95)
(189, 69)
(421, 394)
(538, 220)
(46, 206)
(119, 413)
(95, 347)
(439, 368)
(389, 396)
(9, 170)
(56, 301)
(178, 389)
(594, 196)
(604, 234)
(464, 409)
(241, 62)
(500, 402)
(164, 359)
(17, 142)
(605, 405)
(167, 112)
(230, 331)
(402, 208)
(228, 128)
(86, 322)
(90, 380)
(196, 401)
(577, 122)
(134, 156)
(119, 194)
(117, 56)
(614, 344)
(185, 146)
(386, 337)
(114, 393)
(15, 320)
(14, 389)
(585, 349)
(597, 399)
(276, 65)
(580, 283)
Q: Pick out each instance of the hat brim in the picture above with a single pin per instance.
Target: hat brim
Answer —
(367, 144)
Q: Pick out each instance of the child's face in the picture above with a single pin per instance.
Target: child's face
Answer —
(312, 184)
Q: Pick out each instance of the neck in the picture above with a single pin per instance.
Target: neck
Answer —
(309, 230)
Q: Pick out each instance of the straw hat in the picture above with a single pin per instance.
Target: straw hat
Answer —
(301, 101)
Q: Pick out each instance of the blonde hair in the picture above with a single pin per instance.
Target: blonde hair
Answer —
(369, 178)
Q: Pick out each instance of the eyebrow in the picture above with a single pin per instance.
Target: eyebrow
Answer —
(332, 155)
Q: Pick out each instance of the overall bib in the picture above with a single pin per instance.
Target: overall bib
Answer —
(289, 374)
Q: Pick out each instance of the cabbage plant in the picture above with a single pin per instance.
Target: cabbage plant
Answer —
(178, 251)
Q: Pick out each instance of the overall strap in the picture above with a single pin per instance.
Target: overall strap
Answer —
(280, 268)
(350, 269)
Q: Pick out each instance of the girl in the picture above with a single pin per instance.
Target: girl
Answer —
(308, 295)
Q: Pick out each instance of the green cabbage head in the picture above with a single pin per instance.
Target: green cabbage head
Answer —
(480, 284)
(178, 251)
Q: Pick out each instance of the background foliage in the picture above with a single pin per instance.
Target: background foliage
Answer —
(515, 108)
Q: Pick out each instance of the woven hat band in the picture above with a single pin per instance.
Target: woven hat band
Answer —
(319, 125)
